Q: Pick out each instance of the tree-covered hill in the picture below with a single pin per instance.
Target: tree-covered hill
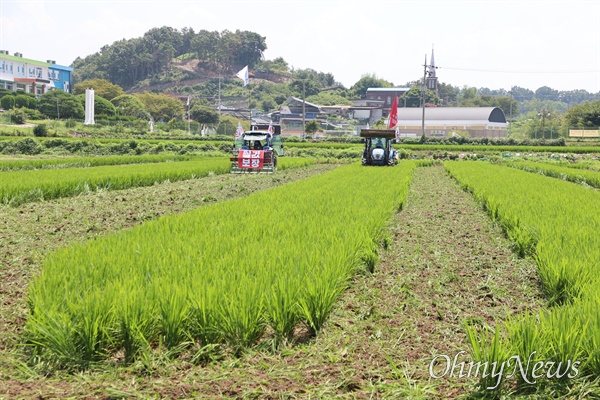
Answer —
(129, 61)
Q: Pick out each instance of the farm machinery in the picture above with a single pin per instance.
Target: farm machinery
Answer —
(256, 152)
(378, 147)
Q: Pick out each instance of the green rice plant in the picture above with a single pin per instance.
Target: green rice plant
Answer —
(92, 333)
(51, 338)
(564, 338)
(134, 324)
(529, 344)
(18, 187)
(588, 309)
(173, 309)
(240, 317)
(490, 354)
(220, 275)
(317, 300)
(294, 162)
(84, 162)
(281, 308)
(563, 280)
(568, 173)
(202, 321)
(560, 227)
(545, 217)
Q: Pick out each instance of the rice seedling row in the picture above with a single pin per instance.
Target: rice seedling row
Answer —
(501, 148)
(567, 173)
(556, 222)
(18, 187)
(82, 162)
(223, 274)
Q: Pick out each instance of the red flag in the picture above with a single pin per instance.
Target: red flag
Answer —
(393, 121)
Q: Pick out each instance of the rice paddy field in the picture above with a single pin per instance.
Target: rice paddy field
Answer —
(164, 276)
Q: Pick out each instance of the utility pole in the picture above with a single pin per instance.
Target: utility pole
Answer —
(543, 114)
(303, 110)
(423, 88)
(219, 105)
(188, 115)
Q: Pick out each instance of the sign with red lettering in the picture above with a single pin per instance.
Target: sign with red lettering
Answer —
(251, 159)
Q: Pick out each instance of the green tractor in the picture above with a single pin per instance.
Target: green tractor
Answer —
(378, 147)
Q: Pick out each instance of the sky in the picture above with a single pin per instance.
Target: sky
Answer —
(483, 44)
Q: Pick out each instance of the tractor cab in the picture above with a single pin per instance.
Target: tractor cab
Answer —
(259, 140)
(256, 151)
(378, 147)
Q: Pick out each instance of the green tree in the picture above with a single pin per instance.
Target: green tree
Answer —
(160, 106)
(468, 97)
(57, 103)
(381, 123)
(279, 92)
(448, 94)
(204, 115)
(187, 35)
(205, 45)
(225, 52)
(572, 97)
(250, 48)
(102, 88)
(546, 94)
(268, 103)
(130, 105)
(329, 99)
(542, 124)
(586, 115)
(228, 125)
(507, 104)
(101, 106)
(521, 94)
(412, 98)
(277, 66)
(312, 126)
(306, 86)
(369, 81)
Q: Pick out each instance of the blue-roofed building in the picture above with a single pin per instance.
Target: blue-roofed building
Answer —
(60, 75)
(32, 76)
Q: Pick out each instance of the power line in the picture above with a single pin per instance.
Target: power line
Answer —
(587, 71)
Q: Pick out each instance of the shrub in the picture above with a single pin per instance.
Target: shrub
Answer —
(17, 116)
(40, 131)
(8, 102)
